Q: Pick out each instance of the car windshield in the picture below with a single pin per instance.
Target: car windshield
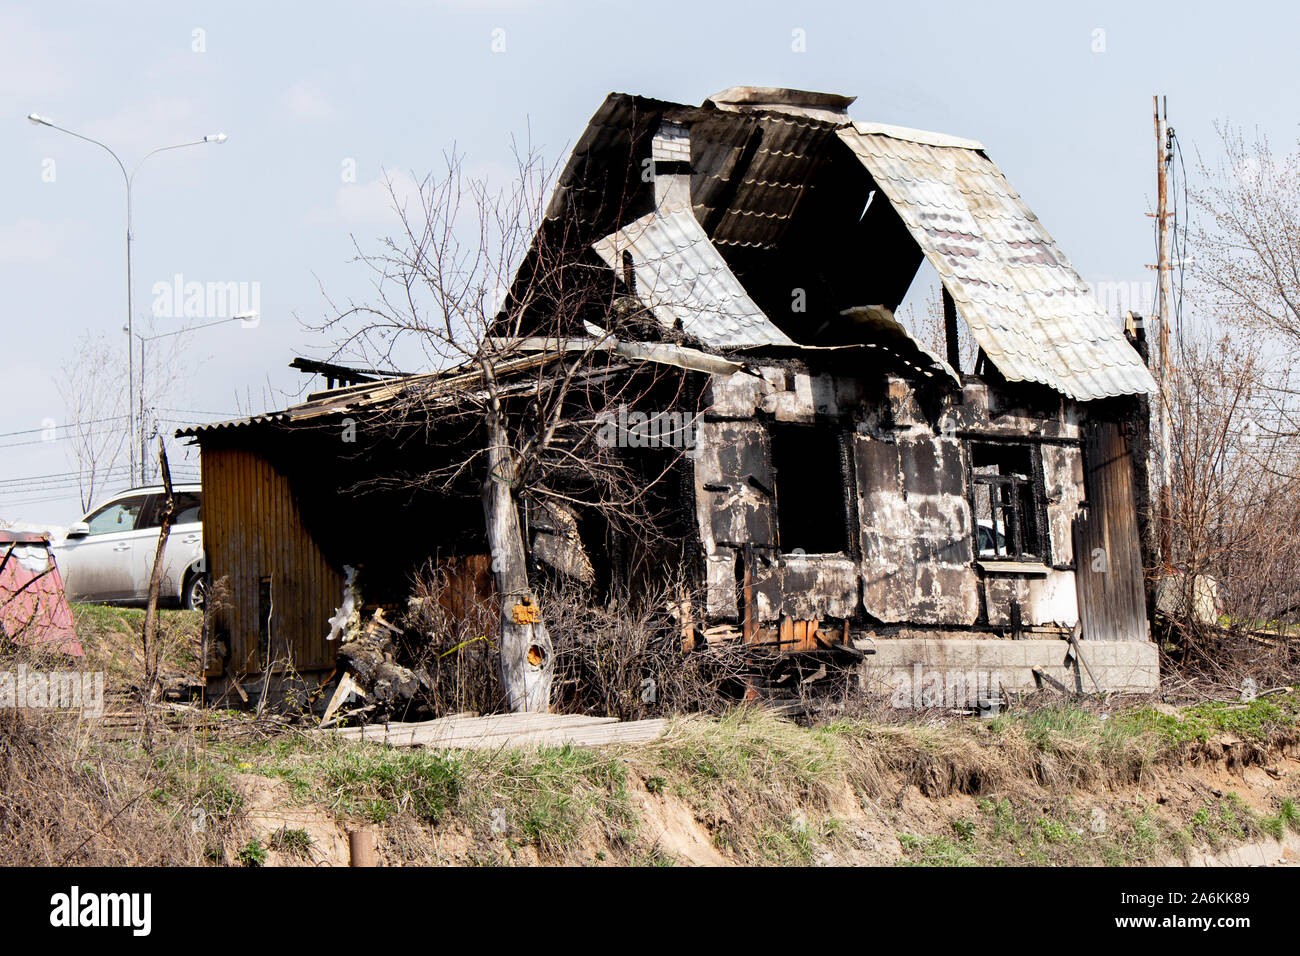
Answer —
(119, 516)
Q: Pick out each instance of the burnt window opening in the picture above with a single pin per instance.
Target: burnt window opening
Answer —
(811, 510)
(1010, 508)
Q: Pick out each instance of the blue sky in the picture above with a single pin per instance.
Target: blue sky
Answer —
(303, 89)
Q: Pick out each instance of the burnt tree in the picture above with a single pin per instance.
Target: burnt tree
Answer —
(525, 322)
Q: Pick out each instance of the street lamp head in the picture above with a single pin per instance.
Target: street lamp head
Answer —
(215, 138)
(39, 120)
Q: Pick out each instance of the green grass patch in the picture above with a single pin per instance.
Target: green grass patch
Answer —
(294, 842)
(1259, 721)
(252, 854)
(378, 782)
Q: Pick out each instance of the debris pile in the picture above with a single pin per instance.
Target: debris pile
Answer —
(368, 656)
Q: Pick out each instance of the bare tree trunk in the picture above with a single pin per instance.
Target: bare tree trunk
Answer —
(149, 633)
(527, 662)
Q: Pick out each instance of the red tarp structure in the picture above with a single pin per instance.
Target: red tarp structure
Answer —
(34, 610)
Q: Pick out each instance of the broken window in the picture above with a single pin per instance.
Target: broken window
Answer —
(811, 514)
(1008, 502)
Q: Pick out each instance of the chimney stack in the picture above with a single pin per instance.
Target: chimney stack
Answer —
(671, 152)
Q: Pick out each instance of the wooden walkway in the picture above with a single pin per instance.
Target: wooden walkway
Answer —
(501, 731)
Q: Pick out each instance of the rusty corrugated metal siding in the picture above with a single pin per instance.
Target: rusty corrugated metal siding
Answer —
(253, 531)
(1107, 553)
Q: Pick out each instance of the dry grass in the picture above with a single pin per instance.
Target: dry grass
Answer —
(748, 786)
(67, 798)
(72, 794)
(620, 658)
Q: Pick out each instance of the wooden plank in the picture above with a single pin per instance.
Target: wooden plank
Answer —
(503, 731)
(346, 686)
(431, 729)
(240, 529)
(1112, 601)
(634, 732)
(449, 727)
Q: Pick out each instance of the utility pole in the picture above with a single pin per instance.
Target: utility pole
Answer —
(1164, 301)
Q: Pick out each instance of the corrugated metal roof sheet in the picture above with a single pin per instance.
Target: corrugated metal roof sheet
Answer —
(333, 402)
(1026, 306)
(890, 334)
(761, 195)
(426, 390)
(612, 130)
(211, 428)
(683, 279)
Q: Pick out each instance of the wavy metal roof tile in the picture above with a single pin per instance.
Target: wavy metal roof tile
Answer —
(684, 280)
(1026, 306)
(752, 154)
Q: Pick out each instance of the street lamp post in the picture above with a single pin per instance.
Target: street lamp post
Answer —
(129, 179)
(241, 317)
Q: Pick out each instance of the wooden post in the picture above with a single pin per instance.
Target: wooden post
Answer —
(749, 625)
(527, 661)
(1164, 276)
(148, 633)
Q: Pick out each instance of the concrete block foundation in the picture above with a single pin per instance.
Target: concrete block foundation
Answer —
(955, 673)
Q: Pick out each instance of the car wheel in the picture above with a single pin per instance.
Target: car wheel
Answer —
(196, 593)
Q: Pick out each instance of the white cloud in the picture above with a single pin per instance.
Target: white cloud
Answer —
(372, 201)
(32, 70)
(135, 130)
(1251, 171)
(35, 240)
(307, 103)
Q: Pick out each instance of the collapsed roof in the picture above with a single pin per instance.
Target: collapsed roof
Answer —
(773, 220)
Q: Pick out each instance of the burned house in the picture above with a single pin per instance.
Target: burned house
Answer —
(968, 505)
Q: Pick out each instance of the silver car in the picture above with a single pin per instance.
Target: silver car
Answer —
(108, 555)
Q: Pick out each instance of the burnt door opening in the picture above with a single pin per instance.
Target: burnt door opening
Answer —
(811, 514)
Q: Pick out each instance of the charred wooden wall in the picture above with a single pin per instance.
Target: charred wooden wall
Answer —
(1112, 600)
(280, 589)
(910, 562)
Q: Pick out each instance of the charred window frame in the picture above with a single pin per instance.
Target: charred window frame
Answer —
(1008, 502)
(812, 474)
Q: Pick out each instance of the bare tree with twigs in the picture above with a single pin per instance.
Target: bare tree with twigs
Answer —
(1235, 443)
(478, 281)
(1247, 243)
(95, 403)
(93, 387)
(1236, 481)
